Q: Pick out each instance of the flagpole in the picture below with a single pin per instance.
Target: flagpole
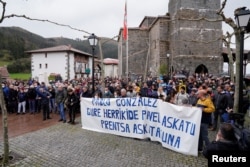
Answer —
(126, 16)
(121, 57)
(127, 56)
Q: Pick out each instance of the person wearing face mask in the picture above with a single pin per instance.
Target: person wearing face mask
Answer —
(107, 93)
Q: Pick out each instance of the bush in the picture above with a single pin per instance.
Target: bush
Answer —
(20, 66)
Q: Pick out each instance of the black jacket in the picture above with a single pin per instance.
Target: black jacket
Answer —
(86, 94)
(13, 95)
(217, 146)
(72, 100)
(221, 101)
(31, 94)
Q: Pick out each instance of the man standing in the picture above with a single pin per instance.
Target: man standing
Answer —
(60, 98)
(45, 97)
(221, 104)
(31, 94)
(12, 99)
(207, 107)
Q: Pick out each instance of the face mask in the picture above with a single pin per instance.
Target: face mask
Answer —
(106, 91)
(96, 97)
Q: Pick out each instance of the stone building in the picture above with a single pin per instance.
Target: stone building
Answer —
(148, 46)
(186, 38)
(195, 36)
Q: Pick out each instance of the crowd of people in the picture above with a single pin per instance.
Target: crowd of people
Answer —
(214, 95)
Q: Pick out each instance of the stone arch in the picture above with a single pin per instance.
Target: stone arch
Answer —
(201, 69)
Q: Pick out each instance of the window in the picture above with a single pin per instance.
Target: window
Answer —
(40, 66)
(45, 55)
(46, 65)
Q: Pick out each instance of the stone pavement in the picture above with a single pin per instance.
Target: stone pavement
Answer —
(66, 145)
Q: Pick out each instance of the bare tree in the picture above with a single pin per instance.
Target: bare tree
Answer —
(2, 102)
(5, 127)
(236, 32)
(227, 41)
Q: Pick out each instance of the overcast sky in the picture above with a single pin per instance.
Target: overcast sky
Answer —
(102, 17)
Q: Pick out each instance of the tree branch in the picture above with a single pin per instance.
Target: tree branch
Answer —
(3, 12)
(42, 20)
(222, 7)
(229, 20)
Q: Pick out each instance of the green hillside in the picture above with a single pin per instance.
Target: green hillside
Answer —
(14, 41)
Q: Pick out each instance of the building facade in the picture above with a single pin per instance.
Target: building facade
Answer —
(187, 38)
(70, 63)
(110, 67)
(195, 38)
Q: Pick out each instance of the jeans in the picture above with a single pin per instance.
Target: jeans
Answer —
(52, 106)
(217, 114)
(32, 107)
(60, 107)
(21, 105)
(203, 136)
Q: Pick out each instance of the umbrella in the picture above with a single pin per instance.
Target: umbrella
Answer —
(180, 76)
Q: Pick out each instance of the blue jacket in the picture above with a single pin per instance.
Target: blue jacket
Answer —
(6, 92)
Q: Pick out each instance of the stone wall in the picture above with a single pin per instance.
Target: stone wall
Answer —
(137, 51)
(188, 33)
(195, 35)
(159, 37)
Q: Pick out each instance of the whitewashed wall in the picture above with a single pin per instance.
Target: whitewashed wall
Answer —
(56, 63)
(110, 70)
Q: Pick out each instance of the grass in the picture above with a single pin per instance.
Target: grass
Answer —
(20, 76)
(4, 63)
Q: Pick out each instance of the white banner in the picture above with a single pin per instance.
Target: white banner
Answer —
(175, 127)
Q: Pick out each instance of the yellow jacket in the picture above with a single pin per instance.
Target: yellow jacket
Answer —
(207, 104)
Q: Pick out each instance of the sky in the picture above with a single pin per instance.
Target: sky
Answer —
(102, 17)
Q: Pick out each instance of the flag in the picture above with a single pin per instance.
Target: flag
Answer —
(125, 28)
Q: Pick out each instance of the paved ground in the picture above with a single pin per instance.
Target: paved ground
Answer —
(37, 143)
(66, 145)
(24, 123)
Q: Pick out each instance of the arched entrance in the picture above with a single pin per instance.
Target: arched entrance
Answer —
(201, 69)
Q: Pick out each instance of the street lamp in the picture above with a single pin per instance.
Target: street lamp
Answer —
(93, 42)
(242, 20)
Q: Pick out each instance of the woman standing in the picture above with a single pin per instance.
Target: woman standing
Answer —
(72, 101)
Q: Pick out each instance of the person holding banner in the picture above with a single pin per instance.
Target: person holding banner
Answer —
(207, 107)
